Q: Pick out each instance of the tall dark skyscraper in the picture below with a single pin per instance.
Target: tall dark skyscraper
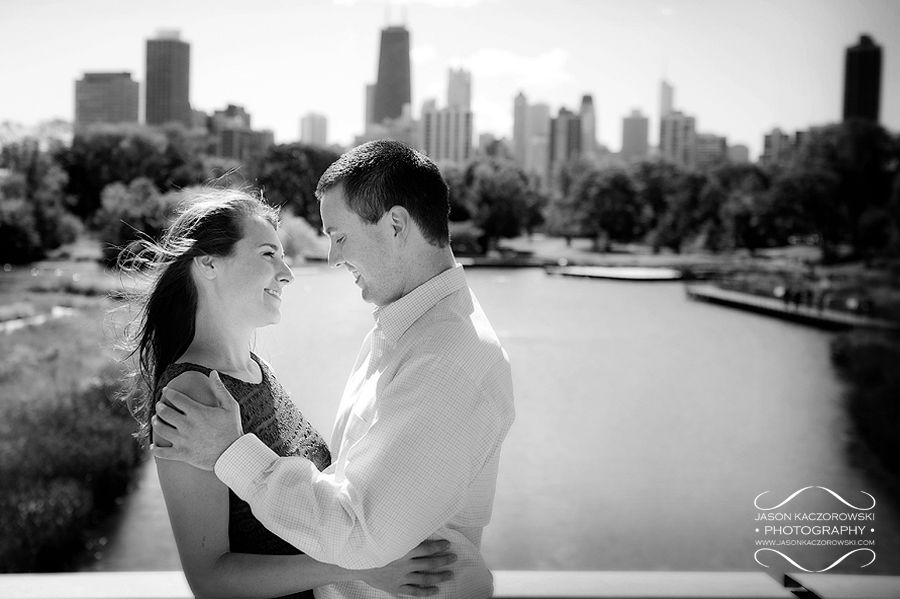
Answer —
(393, 88)
(168, 80)
(862, 80)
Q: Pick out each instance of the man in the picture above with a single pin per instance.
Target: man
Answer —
(424, 413)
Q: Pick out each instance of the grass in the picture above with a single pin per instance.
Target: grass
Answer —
(66, 450)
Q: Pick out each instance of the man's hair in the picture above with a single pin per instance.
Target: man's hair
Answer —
(379, 175)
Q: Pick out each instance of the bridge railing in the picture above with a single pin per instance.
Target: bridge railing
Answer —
(507, 584)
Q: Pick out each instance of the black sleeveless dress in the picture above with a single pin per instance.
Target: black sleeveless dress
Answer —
(268, 412)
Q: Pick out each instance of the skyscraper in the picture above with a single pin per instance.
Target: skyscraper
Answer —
(588, 119)
(862, 80)
(393, 87)
(446, 134)
(168, 79)
(106, 98)
(635, 140)
(666, 99)
(531, 139)
(678, 139)
(314, 129)
(459, 89)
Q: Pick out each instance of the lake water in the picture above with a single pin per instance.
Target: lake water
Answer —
(647, 425)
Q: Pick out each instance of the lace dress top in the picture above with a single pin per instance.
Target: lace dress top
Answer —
(268, 412)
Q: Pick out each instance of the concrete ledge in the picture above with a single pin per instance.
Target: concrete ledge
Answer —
(844, 586)
(507, 584)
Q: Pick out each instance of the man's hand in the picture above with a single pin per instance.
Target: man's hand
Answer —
(199, 434)
(416, 573)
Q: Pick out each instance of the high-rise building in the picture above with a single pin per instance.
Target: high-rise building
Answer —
(738, 154)
(393, 88)
(106, 98)
(777, 148)
(168, 80)
(565, 139)
(446, 133)
(459, 89)
(588, 119)
(712, 151)
(678, 139)
(314, 129)
(862, 80)
(666, 99)
(635, 136)
(520, 133)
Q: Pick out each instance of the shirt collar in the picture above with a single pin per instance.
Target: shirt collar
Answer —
(395, 318)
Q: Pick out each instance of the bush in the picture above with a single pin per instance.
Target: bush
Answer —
(465, 239)
(868, 361)
(20, 242)
(66, 447)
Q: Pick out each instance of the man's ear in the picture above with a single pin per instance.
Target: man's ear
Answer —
(400, 221)
(206, 266)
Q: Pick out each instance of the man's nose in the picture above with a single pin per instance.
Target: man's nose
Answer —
(335, 259)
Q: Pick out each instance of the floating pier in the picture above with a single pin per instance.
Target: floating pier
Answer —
(825, 318)
(618, 273)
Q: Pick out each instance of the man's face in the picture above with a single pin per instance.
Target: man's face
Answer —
(367, 251)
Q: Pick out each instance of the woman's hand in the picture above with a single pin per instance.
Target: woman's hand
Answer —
(416, 573)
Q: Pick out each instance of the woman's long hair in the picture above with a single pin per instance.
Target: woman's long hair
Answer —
(208, 223)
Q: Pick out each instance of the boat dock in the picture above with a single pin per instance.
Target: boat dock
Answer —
(825, 318)
(618, 273)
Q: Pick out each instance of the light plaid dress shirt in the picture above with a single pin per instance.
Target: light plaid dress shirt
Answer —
(417, 440)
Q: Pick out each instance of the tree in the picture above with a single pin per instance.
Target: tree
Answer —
(131, 213)
(496, 198)
(607, 200)
(105, 154)
(865, 160)
(659, 187)
(33, 190)
(288, 175)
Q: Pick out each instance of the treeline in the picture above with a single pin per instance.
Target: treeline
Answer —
(121, 181)
(842, 190)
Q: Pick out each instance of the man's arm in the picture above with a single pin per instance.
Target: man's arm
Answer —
(408, 474)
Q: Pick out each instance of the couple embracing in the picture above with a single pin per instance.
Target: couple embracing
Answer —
(261, 506)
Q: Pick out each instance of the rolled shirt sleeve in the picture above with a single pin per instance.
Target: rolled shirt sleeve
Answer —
(406, 474)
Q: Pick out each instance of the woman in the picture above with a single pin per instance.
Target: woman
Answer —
(217, 276)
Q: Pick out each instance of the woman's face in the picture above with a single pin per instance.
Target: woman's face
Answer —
(250, 280)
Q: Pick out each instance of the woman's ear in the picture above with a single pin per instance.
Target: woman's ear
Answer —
(206, 266)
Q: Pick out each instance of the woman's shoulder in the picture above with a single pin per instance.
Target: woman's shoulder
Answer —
(191, 380)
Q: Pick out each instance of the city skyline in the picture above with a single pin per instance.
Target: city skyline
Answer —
(741, 69)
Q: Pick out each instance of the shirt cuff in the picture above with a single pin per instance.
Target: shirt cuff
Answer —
(242, 462)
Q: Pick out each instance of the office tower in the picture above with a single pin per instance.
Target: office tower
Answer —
(314, 129)
(678, 139)
(565, 140)
(168, 80)
(738, 154)
(446, 133)
(537, 160)
(666, 99)
(588, 119)
(370, 105)
(459, 89)
(777, 148)
(635, 136)
(712, 151)
(520, 135)
(862, 80)
(106, 98)
(393, 87)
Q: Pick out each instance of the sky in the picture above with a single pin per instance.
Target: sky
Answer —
(740, 67)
